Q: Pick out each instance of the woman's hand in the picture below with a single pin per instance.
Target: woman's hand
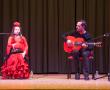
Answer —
(23, 54)
(13, 45)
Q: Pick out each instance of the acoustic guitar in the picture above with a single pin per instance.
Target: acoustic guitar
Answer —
(75, 44)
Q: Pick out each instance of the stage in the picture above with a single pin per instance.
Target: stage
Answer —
(55, 81)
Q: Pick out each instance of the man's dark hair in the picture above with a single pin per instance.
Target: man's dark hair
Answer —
(84, 24)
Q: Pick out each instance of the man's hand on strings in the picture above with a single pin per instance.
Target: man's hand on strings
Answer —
(84, 45)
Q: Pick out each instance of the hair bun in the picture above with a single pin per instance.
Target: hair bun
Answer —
(16, 24)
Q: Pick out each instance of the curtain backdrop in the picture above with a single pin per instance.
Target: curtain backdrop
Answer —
(43, 23)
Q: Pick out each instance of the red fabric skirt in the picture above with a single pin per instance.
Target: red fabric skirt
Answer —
(15, 67)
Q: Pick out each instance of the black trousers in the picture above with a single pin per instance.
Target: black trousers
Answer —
(85, 62)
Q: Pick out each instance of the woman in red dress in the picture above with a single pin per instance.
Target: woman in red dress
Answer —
(15, 66)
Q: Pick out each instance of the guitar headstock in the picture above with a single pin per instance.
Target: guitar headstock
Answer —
(98, 44)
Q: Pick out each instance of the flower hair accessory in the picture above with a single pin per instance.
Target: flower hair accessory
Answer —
(16, 24)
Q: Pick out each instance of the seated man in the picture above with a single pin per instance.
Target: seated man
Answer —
(84, 49)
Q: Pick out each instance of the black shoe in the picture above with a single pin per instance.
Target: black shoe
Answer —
(94, 77)
(86, 78)
(77, 76)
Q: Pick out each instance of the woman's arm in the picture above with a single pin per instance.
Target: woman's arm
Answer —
(25, 46)
(9, 44)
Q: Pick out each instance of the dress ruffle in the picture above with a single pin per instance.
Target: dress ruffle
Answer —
(15, 67)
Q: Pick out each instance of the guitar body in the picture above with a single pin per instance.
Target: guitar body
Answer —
(74, 47)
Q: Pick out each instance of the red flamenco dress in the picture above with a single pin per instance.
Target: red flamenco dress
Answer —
(15, 66)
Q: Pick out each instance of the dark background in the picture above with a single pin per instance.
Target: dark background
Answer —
(44, 21)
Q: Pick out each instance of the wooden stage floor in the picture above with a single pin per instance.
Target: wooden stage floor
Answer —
(55, 82)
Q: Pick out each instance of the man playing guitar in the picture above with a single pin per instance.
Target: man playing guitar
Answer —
(83, 50)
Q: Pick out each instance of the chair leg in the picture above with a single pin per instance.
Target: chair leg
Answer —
(68, 76)
(68, 69)
(93, 69)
